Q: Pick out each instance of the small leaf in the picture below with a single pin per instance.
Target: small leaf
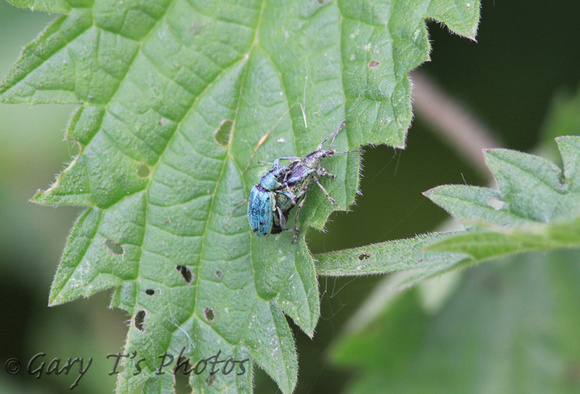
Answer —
(393, 256)
(483, 245)
(536, 208)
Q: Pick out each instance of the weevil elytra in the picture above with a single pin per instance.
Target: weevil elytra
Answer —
(263, 214)
(285, 187)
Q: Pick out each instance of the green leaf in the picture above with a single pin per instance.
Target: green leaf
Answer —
(482, 246)
(537, 207)
(509, 327)
(408, 255)
(61, 6)
(173, 98)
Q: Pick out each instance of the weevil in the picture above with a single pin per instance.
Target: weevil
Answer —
(264, 215)
(285, 187)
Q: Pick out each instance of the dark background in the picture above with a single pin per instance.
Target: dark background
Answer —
(525, 54)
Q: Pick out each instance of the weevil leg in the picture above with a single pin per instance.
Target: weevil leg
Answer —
(292, 158)
(233, 211)
(325, 192)
(322, 172)
(288, 193)
(265, 136)
(282, 219)
(298, 208)
(276, 163)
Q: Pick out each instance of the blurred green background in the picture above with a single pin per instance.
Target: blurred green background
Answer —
(525, 54)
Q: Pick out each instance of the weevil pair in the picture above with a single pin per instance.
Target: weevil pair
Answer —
(285, 187)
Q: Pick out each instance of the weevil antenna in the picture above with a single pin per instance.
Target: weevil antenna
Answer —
(333, 135)
(265, 137)
(351, 151)
(337, 131)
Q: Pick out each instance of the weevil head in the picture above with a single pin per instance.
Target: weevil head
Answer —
(327, 153)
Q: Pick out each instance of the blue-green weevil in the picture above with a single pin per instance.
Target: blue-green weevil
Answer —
(264, 216)
(285, 187)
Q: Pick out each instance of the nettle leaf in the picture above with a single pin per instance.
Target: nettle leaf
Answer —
(409, 255)
(537, 207)
(61, 6)
(509, 327)
(173, 98)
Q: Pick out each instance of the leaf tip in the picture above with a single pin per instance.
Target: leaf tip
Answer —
(432, 192)
(38, 197)
(55, 298)
(427, 193)
(308, 331)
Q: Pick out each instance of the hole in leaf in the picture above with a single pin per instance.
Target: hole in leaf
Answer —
(496, 203)
(364, 256)
(143, 171)
(185, 272)
(374, 64)
(150, 292)
(562, 178)
(222, 134)
(208, 314)
(210, 379)
(182, 367)
(114, 247)
(182, 382)
(219, 274)
(140, 321)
